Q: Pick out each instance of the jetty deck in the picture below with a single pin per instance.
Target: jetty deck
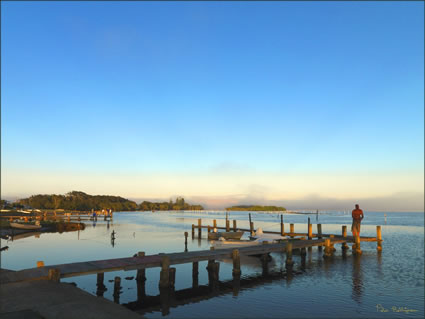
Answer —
(151, 261)
(294, 241)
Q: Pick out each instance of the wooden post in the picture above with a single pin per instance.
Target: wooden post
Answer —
(199, 228)
(358, 250)
(319, 231)
(251, 225)
(234, 225)
(344, 246)
(310, 231)
(141, 273)
(193, 231)
(215, 223)
(185, 240)
(172, 276)
(227, 225)
(164, 278)
(117, 289)
(216, 271)
(236, 263)
(289, 263)
(100, 277)
(54, 275)
(328, 248)
(282, 226)
(291, 230)
(209, 228)
(100, 287)
(40, 264)
(195, 273)
(378, 238)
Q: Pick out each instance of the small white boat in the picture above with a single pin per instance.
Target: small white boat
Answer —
(225, 235)
(259, 235)
(24, 226)
(222, 243)
(23, 211)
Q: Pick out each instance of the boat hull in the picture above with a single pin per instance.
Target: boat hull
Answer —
(24, 226)
(225, 235)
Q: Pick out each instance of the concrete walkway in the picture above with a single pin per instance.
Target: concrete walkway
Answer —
(46, 299)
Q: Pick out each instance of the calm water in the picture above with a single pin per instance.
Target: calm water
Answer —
(346, 287)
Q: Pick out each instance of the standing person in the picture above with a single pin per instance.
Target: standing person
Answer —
(357, 215)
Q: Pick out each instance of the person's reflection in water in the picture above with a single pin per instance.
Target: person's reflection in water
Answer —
(94, 223)
(357, 279)
(107, 225)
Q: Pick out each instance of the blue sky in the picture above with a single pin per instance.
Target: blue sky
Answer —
(213, 100)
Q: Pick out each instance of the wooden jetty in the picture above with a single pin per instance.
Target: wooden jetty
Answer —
(140, 261)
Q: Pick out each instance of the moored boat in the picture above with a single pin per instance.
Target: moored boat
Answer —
(24, 226)
(226, 235)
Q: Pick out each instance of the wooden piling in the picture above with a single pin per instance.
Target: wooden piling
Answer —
(164, 278)
(227, 225)
(328, 248)
(172, 276)
(358, 250)
(251, 225)
(195, 272)
(344, 246)
(199, 228)
(141, 273)
(185, 240)
(291, 230)
(378, 238)
(234, 225)
(310, 231)
(215, 223)
(289, 263)
(319, 231)
(216, 271)
(100, 277)
(282, 226)
(236, 263)
(193, 231)
(117, 289)
(54, 275)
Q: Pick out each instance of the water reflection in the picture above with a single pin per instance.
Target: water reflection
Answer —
(170, 298)
(357, 279)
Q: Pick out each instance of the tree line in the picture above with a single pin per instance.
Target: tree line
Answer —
(81, 201)
(179, 204)
(252, 208)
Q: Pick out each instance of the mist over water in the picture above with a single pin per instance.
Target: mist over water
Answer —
(344, 287)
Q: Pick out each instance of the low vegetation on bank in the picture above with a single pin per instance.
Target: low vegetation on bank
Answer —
(258, 208)
(80, 201)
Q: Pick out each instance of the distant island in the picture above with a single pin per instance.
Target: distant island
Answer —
(179, 204)
(252, 208)
(81, 201)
